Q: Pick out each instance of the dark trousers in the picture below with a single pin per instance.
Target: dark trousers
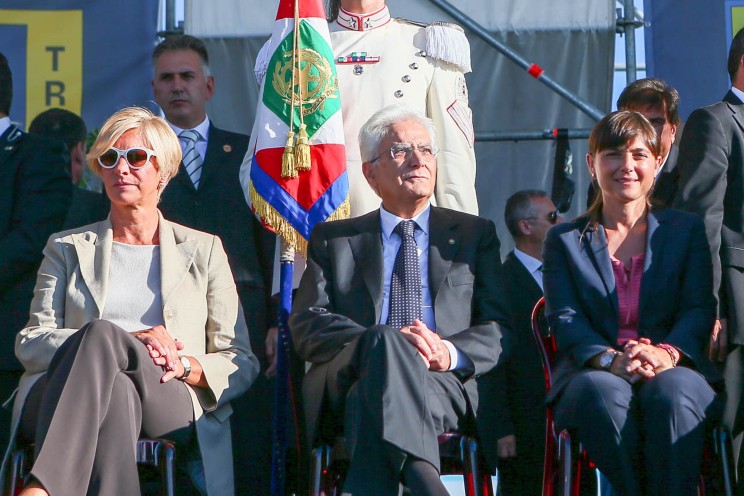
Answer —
(394, 408)
(647, 439)
(101, 392)
(8, 384)
(733, 416)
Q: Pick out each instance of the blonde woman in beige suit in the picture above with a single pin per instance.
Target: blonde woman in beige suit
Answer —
(135, 329)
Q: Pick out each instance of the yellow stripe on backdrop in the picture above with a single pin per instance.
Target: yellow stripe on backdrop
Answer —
(54, 67)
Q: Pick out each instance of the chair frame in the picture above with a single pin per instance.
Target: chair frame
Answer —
(328, 465)
(157, 453)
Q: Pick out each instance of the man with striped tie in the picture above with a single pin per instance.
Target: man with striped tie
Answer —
(206, 195)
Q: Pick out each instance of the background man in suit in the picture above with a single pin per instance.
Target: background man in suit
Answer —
(87, 206)
(398, 308)
(711, 183)
(206, 195)
(659, 103)
(34, 197)
(512, 406)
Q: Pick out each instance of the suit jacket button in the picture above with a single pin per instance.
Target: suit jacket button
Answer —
(168, 314)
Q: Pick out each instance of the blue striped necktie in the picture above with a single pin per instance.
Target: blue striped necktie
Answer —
(192, 161)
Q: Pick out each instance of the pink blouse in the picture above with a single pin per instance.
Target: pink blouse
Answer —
(628, 287)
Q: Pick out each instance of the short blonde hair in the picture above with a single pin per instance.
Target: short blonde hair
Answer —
(154, 132)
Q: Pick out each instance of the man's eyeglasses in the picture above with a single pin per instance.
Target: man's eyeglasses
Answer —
(136, 158)
(403, 151)
(552, 217)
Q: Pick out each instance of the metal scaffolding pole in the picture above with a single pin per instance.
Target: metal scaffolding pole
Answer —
(629, 26)
(544, 135)
(533, 69)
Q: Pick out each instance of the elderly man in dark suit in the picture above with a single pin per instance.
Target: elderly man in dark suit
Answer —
(206, 195)
(512, 396)
(659, 103)
(711, 169)
(398, 312)
(35, 193)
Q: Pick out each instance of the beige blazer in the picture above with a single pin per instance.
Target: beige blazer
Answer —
(200, 309)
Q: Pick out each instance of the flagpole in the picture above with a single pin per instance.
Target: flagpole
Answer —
(281, 393)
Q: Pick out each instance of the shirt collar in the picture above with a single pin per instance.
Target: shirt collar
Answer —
(202, 129)
(388, 221)
(363, 22)
(4, 124)
(531, 263)
(739, 94)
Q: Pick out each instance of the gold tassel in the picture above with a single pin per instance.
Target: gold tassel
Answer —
(302, 150)
(288, 157)
(280, 225)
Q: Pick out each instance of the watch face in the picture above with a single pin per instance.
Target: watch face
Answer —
(605, 361)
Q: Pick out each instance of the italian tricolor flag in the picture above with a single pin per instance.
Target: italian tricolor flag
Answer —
(298, 173)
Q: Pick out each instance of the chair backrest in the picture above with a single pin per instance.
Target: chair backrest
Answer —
(545, 341)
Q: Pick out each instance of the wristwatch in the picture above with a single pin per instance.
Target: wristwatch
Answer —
(608, 358)
(186, 367)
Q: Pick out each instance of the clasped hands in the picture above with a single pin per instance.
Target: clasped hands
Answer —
(429, 344)
(641, 361)
(163, 349)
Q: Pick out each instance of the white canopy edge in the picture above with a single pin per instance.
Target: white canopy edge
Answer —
(255, 18)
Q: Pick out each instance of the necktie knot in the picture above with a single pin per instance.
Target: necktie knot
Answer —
(191, 159)
(190, 136)
(405, 228)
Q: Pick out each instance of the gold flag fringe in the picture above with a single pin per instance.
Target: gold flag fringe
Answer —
(288, 157)
(282, 227)
(302, 150)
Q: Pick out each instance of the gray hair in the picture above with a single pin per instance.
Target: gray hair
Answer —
(377, 127)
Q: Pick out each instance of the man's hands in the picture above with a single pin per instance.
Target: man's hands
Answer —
(163, 350)
(429, 345)
(506, 447)
(718, 347)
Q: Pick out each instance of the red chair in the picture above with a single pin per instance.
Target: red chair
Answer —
(562, 475)
(459, 455)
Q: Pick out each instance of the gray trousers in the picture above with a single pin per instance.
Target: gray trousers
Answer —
(394, 408)
(647, 439)
(100, 393)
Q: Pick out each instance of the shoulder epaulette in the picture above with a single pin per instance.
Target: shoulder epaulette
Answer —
(446, 41)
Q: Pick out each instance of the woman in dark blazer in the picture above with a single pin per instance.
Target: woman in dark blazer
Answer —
(629, 296)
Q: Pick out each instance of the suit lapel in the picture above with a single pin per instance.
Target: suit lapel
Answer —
(653, 258)
(94, 257)
(9, 143)
(176, 257)
(218, 151)
(595, 249)
(366, 246)
(523, 278)
(737, 108)
(444, 241)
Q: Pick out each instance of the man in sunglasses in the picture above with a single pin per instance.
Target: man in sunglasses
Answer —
(398, 310)
(206, 195)
(35, 193)
(512, 406)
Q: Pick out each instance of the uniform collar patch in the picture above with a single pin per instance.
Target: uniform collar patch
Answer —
(363, 22)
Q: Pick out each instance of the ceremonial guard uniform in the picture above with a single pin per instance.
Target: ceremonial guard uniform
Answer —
(381, 61)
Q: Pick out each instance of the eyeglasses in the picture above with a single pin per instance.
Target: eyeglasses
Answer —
(403, 151)
(136, 158)
(552, 217)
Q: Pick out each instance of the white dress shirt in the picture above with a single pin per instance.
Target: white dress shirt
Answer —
(533, 266)
(201, 144)
(4, 124)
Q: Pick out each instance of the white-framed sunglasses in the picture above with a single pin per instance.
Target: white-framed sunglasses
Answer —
(136, 157)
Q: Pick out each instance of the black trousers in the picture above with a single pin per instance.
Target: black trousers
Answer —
(647, 439)
(101, 392)
(394, 408)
